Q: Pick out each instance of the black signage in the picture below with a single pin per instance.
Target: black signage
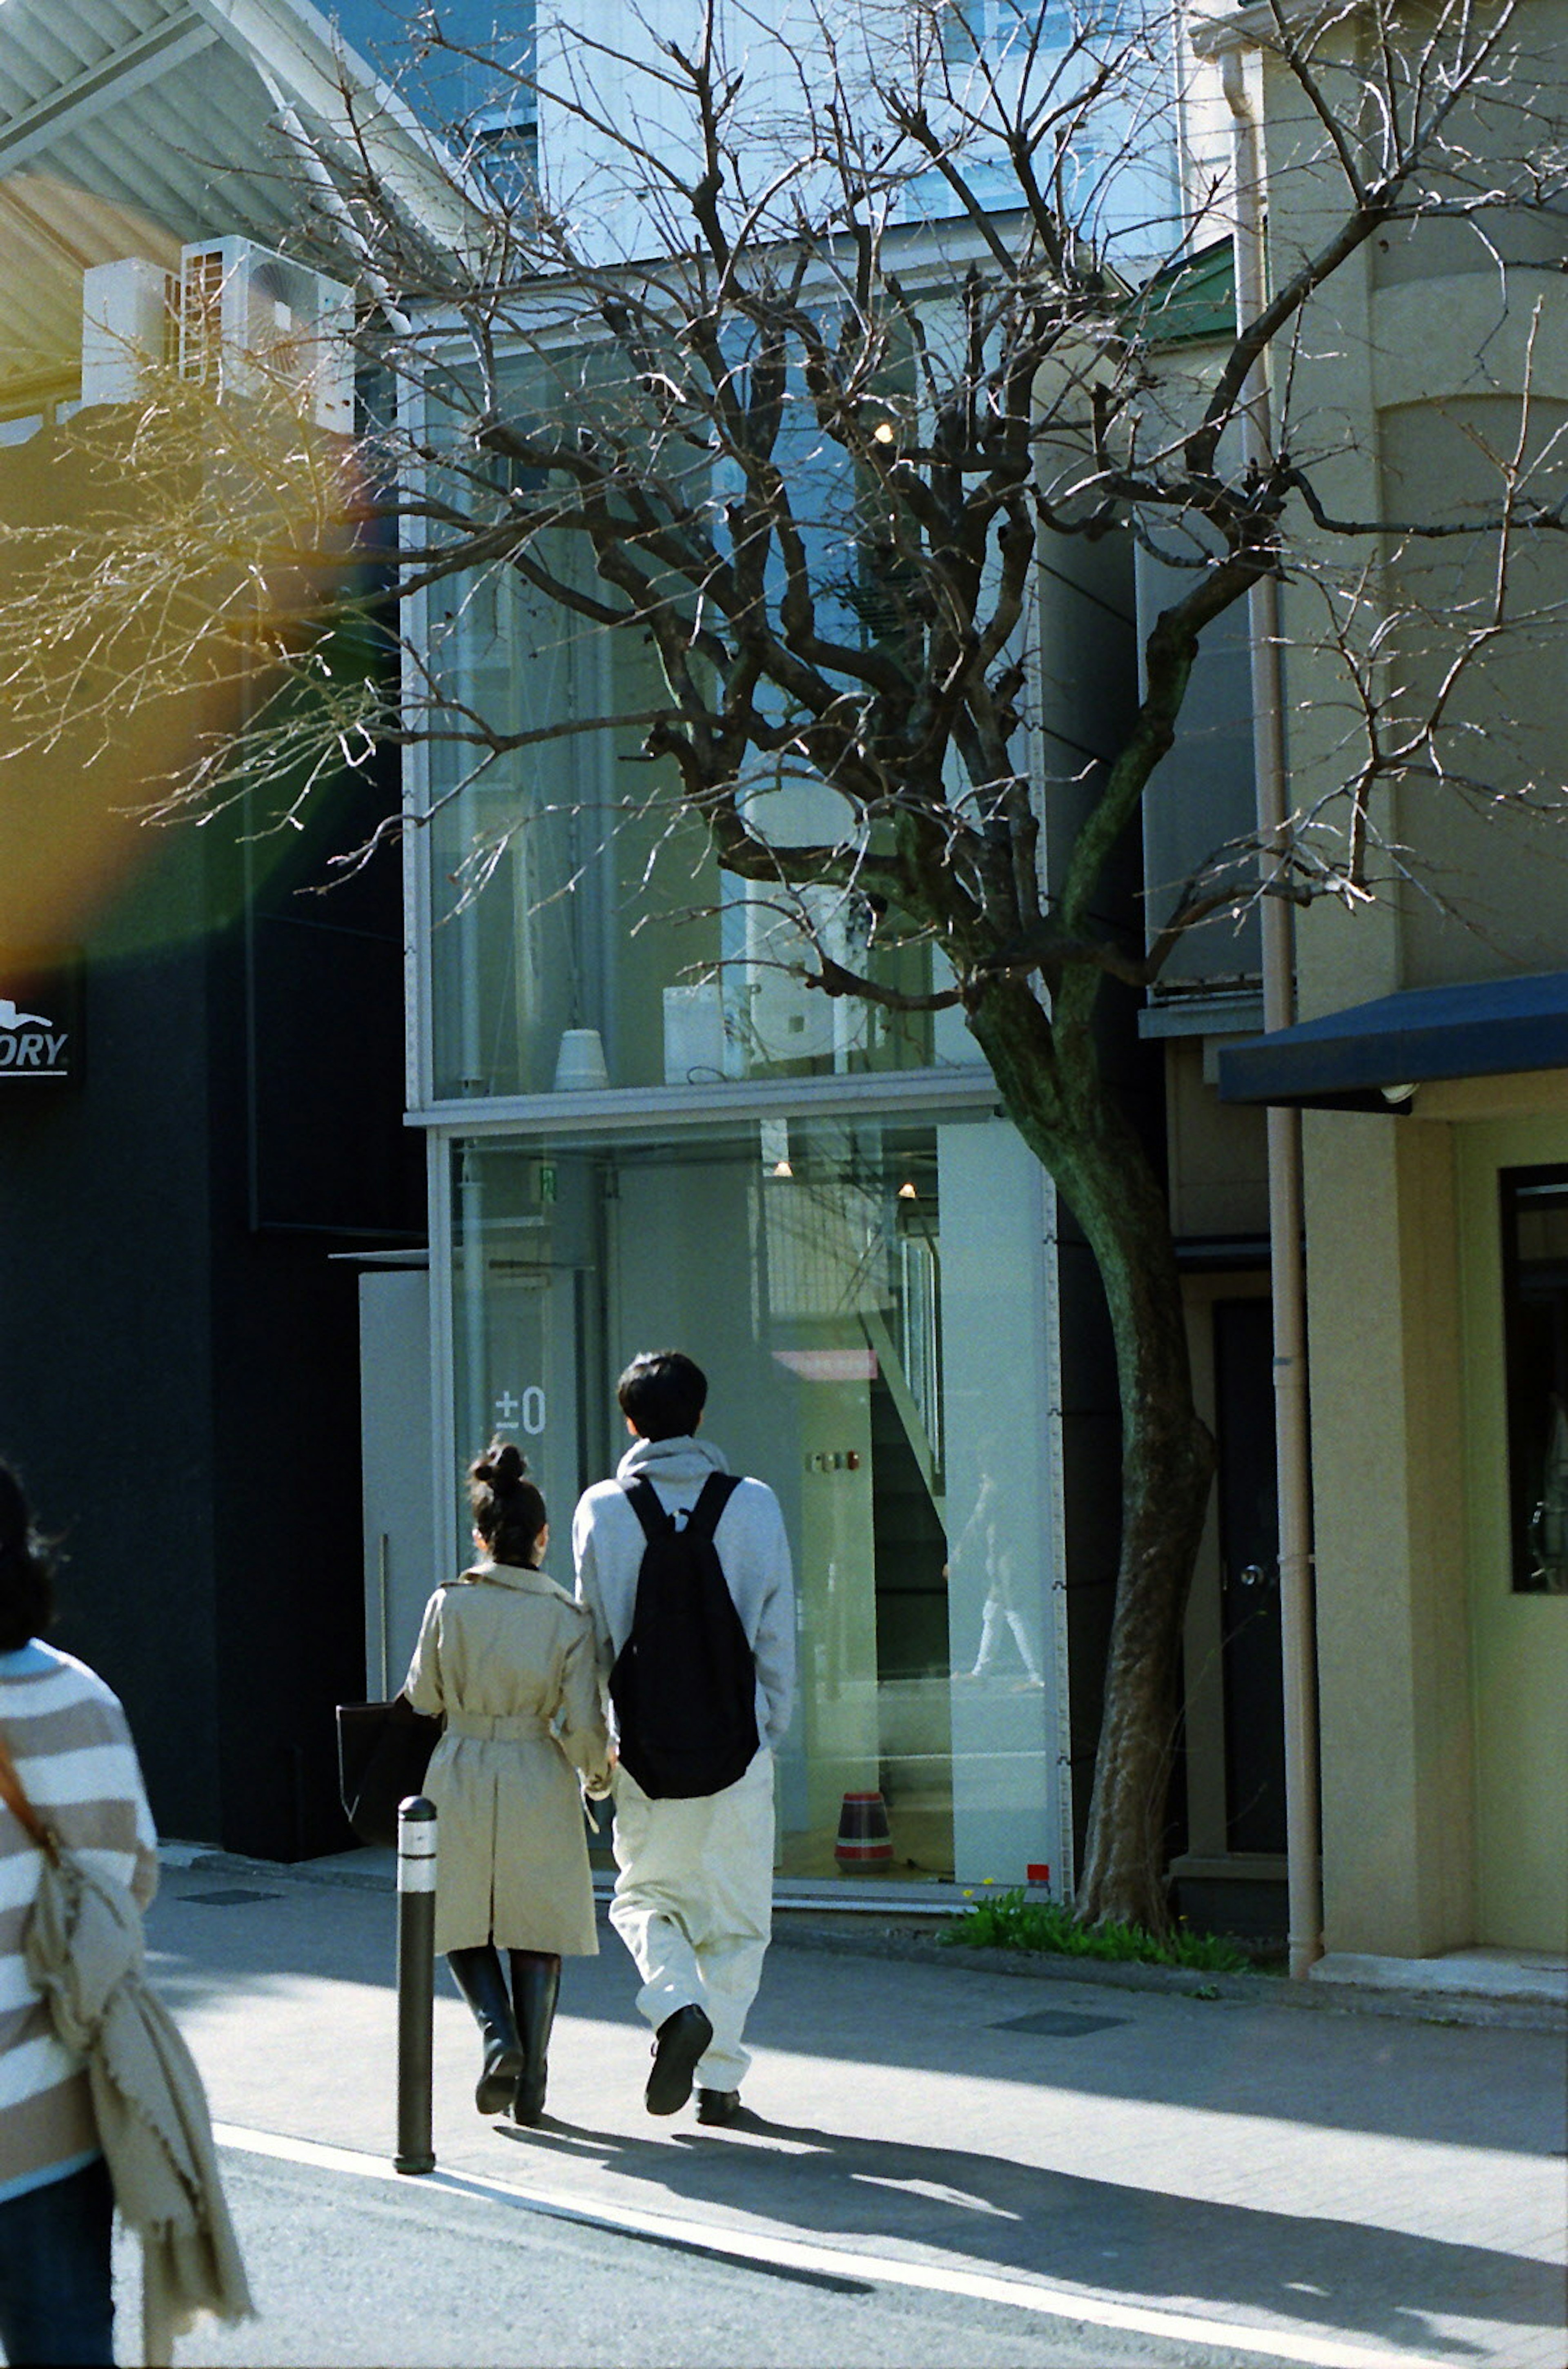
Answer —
(40, 1019)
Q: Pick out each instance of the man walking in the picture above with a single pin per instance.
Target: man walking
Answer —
(694, 1895)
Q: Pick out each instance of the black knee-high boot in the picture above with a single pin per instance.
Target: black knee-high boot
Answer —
(535, 1984)
(483, 1984)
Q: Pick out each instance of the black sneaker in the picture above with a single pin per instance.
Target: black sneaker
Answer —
(684, 2039)
(718, 2106)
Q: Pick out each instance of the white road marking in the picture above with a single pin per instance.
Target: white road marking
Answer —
(790, 2253)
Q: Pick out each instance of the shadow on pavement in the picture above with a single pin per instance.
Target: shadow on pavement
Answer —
(1490, 2088)
(999, 2214)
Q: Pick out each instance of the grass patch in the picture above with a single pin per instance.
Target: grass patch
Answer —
(1008, 1922)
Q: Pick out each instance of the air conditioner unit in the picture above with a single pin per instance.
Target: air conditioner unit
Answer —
(127, 325)
(250, 319)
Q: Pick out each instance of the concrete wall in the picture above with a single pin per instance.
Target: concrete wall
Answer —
(1217, 1151)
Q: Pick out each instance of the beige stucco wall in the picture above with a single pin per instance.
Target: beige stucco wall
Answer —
(1444, 1748)
(1417, 359)
(1435, 354)
(1518, 1642)
(1387, 1415)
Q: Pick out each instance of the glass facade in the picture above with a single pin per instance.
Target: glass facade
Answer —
(869, 1299)
(567, 889)
(873, 1296)
(569, 894)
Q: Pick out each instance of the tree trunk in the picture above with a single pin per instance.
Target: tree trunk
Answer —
(1056, 1096)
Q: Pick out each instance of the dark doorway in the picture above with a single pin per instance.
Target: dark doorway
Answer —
(1249, 1598)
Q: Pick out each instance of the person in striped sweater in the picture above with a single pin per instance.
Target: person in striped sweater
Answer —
(73, 1751)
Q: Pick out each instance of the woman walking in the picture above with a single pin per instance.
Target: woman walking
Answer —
(73, 1754)
(508, 1657)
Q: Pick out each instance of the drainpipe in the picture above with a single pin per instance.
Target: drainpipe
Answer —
(1298, 1631)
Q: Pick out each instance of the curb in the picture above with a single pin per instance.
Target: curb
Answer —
(1472, 2009)
(273, 1870)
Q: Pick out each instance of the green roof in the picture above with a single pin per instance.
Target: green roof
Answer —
(1189, 301)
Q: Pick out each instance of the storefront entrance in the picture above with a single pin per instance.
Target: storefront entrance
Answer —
(870, 1300)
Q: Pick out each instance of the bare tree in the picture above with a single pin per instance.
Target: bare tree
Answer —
(847, 329)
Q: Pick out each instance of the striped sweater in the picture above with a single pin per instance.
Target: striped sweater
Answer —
(77, 1766)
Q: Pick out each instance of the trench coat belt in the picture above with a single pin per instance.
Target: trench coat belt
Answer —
(508, 1727)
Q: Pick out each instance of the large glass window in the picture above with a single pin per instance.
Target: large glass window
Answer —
(1535, 1283)
(876, 1356)
(570, 892)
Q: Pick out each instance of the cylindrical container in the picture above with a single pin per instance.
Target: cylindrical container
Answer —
(416, 1982)
(863, 1839)
(580, 1062)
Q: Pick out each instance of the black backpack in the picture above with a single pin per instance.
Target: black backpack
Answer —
(684, 1684)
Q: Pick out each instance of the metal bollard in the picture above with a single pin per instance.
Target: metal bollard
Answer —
(415, 1981)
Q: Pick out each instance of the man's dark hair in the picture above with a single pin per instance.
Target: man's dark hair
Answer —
(663, 1393)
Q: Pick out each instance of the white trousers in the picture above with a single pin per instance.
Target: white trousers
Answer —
(694, 1905)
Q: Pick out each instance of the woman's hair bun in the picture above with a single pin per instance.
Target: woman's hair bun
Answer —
(508, 1512)
(501, 1468)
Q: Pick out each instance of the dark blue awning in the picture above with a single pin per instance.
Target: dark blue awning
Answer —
(1348, 1059)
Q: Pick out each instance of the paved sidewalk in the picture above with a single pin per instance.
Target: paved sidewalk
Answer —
(1396, 2187)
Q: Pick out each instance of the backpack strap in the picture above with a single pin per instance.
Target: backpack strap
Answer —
(716, 1492)
(644, 1502)
(702, 1521)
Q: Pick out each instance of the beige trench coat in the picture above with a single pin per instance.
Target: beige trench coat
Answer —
(508, 1657)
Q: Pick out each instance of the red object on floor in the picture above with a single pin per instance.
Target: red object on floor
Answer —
(863, 1839)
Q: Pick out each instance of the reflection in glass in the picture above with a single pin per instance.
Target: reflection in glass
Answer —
(1002, 1615)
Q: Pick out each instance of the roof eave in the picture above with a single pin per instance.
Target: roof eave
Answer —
(339, 95)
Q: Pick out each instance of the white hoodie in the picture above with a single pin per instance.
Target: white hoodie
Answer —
(607, 1547)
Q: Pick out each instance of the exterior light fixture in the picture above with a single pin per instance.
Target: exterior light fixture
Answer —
(781, 1168)
(907, 1192)
(883, 432)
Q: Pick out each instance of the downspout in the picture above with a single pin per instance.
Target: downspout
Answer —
(1292, 1453)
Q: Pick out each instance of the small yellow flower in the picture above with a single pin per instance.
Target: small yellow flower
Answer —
(968, 1895)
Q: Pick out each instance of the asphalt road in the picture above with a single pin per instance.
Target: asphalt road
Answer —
(403, 2274)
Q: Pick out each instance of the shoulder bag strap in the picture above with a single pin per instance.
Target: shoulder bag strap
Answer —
(17, 1802)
